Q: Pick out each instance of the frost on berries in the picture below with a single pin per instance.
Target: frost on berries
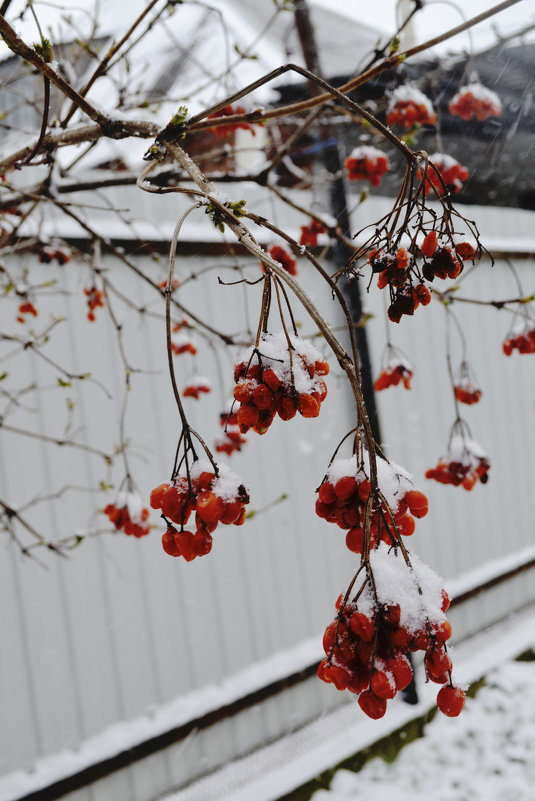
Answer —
(366, 163)
(475, 100)
(408, 106)
(211, 497)
(196, 386)
(128, 514)
(463, 463)
(343, 494)
(397, 608)
(283, 375)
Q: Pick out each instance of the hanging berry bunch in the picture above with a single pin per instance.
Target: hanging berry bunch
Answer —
(281, 375)
(285, 259)
(95, 298)
(465, 385)
(196, 386)
(225, 131)
(408, 106)
(398, 608)
(344, 493)
(521, 338)
(213, 493)
(463, 463)
(393, 250)
(24, 309)
(475, 100)
(181, 343)
(448, 175)
(309, 234)
(396, 370)
(232, 439)
(366, 163)
(128, 514)
(51, 253)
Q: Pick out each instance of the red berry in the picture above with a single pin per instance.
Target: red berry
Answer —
(450, 700)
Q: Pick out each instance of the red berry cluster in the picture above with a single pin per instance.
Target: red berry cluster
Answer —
(366, 163)
(175, 283)
(182, 343)
(285, 259)
(464, 385)
(463, 464)
(225, 131)
(408, 107)
(523, 341)
(396, 270)
(453, 175)
(215, 498)
(48, 254)
(309, 234)
(394, 374)
(196, 386)
(128, 514)
(95, 297)
(367, 644)
(232, 439)
(279, 378)
(345, 489)
(26, 308)
(441, 260)
(476, 101)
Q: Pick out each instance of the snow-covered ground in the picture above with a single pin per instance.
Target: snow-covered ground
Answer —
(486, 754)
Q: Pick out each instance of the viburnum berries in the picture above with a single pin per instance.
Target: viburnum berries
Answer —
(398, 271)
(128, 514)
(343, 494)
(182, 343)
(521, 338)
(95, 298)
(475, 100)
(232, 439)
(285, 259)
(196, 386)
(397, 370)
(450, 700)
(49, 254)
(464, 385)
(225, 131)
(408, 106)
(463, 464)
(309, 234)
(398, 608)
(26, 308)
(366, 163)
(283, 375)
(453, 175)
(214, 497)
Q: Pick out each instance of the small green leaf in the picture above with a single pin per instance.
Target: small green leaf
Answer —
(63, 383)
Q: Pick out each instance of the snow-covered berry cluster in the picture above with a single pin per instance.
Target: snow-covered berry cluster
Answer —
(475, 100)
(408, 106)
(522, 339)
(465, 385)
(128, 514)
(399, 608)
(463, 464)
(181, 342)
(397, 371)
(283, 375)
(452, 173)
(197, 385)
(397, 270)
(214, 497)
(344, 492)
(51, 253)
(366, 163)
